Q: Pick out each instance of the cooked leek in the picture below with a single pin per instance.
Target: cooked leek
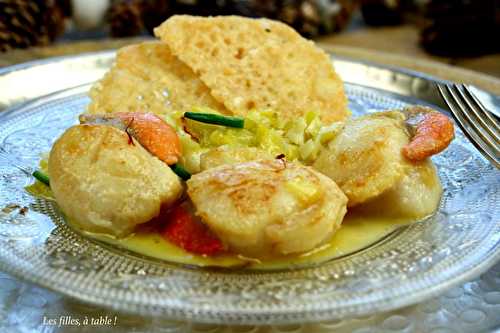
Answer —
(180, 171)
(215, 119)
(41, 177)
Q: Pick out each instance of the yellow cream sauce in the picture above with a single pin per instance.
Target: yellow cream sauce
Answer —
(357, 232)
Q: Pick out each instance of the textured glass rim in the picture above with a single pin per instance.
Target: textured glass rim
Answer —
(397, 297)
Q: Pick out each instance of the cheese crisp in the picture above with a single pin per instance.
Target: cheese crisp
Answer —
(257, 64)
(148, 78)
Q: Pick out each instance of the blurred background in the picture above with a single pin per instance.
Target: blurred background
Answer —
(458, 32)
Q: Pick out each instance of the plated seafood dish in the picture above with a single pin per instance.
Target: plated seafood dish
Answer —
(228, 143)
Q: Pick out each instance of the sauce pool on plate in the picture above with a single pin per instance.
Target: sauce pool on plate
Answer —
(358, 231)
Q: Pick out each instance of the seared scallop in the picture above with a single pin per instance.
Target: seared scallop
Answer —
(268, 207)
(416, 195)
(106, 182)
(365, 159)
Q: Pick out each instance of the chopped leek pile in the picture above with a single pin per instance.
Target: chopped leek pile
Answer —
(299, 139)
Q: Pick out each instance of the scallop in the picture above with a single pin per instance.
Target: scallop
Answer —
(416, 195)
(106, 182)
(268, 207)
(365, 159)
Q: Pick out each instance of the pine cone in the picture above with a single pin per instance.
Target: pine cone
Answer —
(201, 7)
(28, 23)
(125, 18)
(461, 28)
(309, 17)
(382, 12)
(155, 12)
(151, 13)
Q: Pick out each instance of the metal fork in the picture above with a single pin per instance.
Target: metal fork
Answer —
(478, 124)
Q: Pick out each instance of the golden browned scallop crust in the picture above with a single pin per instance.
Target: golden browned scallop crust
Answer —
(147, 77)
(416, 195)
(268, 207)
(104, 181)
(257, 64)
(365, 159)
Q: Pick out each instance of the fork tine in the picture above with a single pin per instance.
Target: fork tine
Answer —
(489, 147)
(455, 92)
(483, 116)
(462, 122)
(493, 120)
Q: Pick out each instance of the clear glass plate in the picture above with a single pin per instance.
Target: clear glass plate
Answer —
(416, 262)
